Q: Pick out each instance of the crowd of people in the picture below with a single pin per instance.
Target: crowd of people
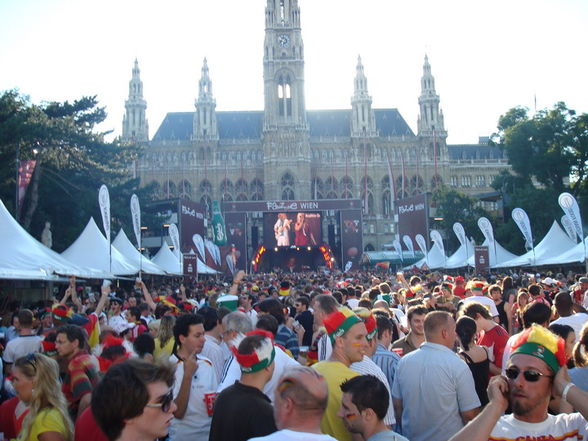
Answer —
(304, 356)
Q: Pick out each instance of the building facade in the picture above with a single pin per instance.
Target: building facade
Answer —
(286, 152)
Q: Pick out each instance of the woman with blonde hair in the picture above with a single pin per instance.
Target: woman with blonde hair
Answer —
(164, 341)
(36, 381)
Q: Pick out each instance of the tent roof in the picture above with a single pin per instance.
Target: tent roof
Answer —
(460, 258)
(434, 259)
(122, 243)
(166, 259)
(24, 257)
(555, 243)
(573, 255)
(91, 249)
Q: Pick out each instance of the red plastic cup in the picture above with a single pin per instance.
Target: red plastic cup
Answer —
(209, 401)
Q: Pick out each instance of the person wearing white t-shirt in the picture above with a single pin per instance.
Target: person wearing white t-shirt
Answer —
(534, 374)
(195, 386)
(474, 293)
(299, 403)
(26, 342)
(565, 308)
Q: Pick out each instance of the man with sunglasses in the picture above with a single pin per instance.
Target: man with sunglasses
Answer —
(134, 401)
(535, 371)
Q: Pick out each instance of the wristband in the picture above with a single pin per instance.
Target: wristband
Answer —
(564, 394)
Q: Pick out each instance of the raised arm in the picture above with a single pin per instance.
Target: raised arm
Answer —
(480, 428)
(146, 295)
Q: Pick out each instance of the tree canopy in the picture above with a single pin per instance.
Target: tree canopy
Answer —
(73, 161)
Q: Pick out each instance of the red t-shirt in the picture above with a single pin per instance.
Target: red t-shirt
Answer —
(459, 291)
(87, 428)
(495, 339)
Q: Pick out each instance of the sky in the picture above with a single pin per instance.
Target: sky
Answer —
(486, 56)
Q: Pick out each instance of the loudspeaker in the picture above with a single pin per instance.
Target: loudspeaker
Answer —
(254, 237)
(331, 235)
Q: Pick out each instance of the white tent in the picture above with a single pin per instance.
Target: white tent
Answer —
(460, 258)
(167, 260)
(122, 243)
(574, 255)
(24, 257)
(434, 259)
(91, 249)
(555, 242)
(497, 254)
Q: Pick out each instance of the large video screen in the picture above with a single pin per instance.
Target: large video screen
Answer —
(287, 229)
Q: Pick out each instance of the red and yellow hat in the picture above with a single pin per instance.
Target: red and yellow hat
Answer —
(260, 358)
(475, 285)
(540, 342)
(368, 320)
(339, 322)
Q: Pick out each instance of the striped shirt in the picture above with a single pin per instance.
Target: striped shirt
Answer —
(387, 361)
(368, 367)
(288, 339)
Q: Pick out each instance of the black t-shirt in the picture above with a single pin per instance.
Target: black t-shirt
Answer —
(241, 412)
(306, 319)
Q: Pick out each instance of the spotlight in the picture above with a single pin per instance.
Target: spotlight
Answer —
(308, 248)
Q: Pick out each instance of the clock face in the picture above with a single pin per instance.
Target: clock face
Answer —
(283, 40)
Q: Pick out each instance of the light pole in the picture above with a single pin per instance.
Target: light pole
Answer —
(16, 198)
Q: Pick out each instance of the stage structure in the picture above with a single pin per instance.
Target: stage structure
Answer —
(292, 235)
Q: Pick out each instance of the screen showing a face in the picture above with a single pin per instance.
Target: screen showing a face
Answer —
(291, 228)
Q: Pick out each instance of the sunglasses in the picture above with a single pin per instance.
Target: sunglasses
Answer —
(165, 402)
(530, 375)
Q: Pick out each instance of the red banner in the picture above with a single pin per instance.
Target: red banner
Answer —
(25, 174)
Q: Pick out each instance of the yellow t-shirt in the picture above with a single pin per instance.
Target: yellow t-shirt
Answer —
(335, 373)
(48, 420)
(163, 353)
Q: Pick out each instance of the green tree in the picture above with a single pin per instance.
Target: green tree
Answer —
(453, 206)
(550, 148)
(73, 161)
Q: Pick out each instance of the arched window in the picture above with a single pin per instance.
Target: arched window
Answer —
(256, 190)
(241, 197)
(331, 184)
(346, 185)
(226, 190)
(185, 189)
(436, 182)
(241, 186)
(169, 190)
(287, 184)
(369, 247)
(207, 205)
(284, 95)
(417, 185)
(317, 188)
(205, 187)
(386, 203)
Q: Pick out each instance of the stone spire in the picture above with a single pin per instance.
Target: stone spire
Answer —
(430, 116)
(135, 126)
(205, 127)
(363, 120)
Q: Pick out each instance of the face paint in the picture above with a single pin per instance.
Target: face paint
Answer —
(351, 416)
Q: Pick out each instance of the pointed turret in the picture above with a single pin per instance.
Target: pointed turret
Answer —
(431, 116)
(363, 120)
(135, 126)
(205, 116)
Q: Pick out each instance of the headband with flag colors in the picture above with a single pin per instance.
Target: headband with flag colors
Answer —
(540, 342)
(261, 357)
(368, 320)
(475, 285)
(339, 322)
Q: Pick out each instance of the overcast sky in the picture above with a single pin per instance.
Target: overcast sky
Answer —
(486, 56)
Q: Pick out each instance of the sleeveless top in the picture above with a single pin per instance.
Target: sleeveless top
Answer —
(481, 374)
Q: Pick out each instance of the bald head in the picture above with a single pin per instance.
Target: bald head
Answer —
(440, 328)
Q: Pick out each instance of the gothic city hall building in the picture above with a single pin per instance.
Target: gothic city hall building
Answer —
(286, 152)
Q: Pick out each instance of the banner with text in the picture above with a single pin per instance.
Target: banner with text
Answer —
(234, 253)
(413, 216)
(190, 223)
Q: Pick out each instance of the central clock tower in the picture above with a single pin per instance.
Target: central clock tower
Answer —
(285, 129)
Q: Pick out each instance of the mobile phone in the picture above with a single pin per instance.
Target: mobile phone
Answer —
(106, 283)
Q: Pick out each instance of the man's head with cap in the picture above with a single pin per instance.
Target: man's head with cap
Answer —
(537, 356)
(255, 355)
(348, 335)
